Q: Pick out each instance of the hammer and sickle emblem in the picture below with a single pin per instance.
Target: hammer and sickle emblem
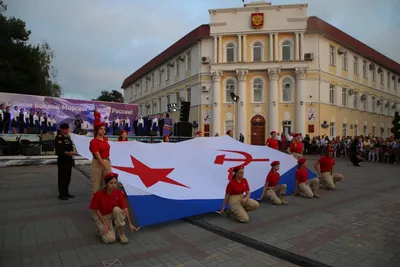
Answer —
(220, 159)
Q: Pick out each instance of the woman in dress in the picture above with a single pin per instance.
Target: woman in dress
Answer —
(127, 125)
(239, 204)
(14, 122)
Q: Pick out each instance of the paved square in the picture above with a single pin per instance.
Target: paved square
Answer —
(36, 229)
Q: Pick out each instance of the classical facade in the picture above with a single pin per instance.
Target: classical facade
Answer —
(291, 72)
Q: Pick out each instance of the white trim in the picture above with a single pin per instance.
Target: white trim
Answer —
(280, 87)
(224, 87)
(235, 52)
(252, 50)
(291, 49)
(262, 89)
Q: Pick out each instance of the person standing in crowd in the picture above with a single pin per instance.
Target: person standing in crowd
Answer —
(26, 121)
(110, 207)
(1, 118)
(271, 186)
(65, 150)
(229, 133)
(78, 124)
(241, 138)
(304, 187)
(325, 169)
(123, 137)
(101, 164)
(107, 124)
(14, 123)
(7, 120)
(165, 139)
(239, 204)
(127, 124)
(353, 152)
(21, 121)
(36, 120)
(97, 116)
(296, 147)
(272, 142)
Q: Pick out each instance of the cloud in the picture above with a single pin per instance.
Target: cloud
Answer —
(99, 42)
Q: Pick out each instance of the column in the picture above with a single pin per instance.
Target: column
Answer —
(244, 48)
(302, 46)
(296, 47)
(219, 49)
(239, 52)
(271, 45)
(215, 60)
(276, 47)
(216, 103)
(241, 124)
(300, 100)
(273, 99)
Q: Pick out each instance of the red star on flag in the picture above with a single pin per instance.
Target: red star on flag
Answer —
(148, 175)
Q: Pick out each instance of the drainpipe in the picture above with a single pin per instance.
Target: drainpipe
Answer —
(319, 85)
(199, 121)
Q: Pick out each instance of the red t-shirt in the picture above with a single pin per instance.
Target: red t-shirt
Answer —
(97, 117)
(296, 147)
(237, 188)
(272, 143)
(103, 147)
(107, 202)
(272, 178)
(301, 175)
(326, 164)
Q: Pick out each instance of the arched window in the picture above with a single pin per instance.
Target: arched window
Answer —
(258, 86)
(287, 50)
(230, 52)
(287, 90)
(229, 88)
(257, 51)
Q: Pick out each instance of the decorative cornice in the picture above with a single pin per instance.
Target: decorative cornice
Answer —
(300, 73)
(242, 74)
(216, 75)
(273, 73)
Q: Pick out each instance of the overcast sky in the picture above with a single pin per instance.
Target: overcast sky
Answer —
(98, 43)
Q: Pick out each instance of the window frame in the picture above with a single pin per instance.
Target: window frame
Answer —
(227, 98)
(262, 89)
(292, 83)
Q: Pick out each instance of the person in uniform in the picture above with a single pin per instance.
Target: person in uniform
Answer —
(123, 137)
(296, 147)
(272, 142)
(101, 164)
(65, 151)
(239, 204)
(230, 133)
(198, 134)
(271, 186)
(109, 205)
(325, 169)
(97, 116)
(165, 139)
(304, 187)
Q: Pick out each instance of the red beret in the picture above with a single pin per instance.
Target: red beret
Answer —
(198, 132)
(297, 134)
(110, 175)
(330, 150)
(301, 161)
(100, 124)
(274, 163)
(229, 131)
(122, 132)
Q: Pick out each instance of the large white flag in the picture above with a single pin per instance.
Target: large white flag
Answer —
(167, 181)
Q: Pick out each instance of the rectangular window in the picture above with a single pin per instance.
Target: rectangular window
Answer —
(365, 104)
(332, 55)
(189, 95)
(373, 130)
(332, 130)
(388, 80)
(159, 106)
(257, 53)
(152, 80)
(373, 104)
(147, 85)
(355, 65)
(178, 99)
(382, 80)
(159, 77)
(189, 61)
(168, 73)
(344, 97)
(331, 94)
(229, 125)
(177, 68)
(365, 69)
(365, 131)
(355, 130)
(230, 54)
(344, 61)
(344, 130)
(168, 100)
(381, 107)
(355, 100)
(374, 75)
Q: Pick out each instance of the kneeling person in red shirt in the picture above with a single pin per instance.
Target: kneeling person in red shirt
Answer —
(326, 170)
(110, 206)
(271, 186)
(304, 187)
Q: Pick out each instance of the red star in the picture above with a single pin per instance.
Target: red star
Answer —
(148, 175)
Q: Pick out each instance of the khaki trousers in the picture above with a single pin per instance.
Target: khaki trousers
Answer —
(298, 156)
(307, 188)
(98, 173)
(118, 217)
(240, 209)
(329, 180)
(271, 193)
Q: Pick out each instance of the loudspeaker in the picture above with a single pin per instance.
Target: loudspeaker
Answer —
(185, 111)
(183, 129)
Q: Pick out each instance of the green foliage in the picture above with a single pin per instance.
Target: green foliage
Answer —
(24, 68)
(396, 125)
(111, 96)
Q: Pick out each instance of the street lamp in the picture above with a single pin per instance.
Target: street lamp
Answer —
(235, 99)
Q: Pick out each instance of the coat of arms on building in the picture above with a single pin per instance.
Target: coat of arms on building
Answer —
(257, 20)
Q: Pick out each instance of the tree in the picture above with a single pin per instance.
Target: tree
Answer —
(396, 125)
(111, 96)
(24, 68)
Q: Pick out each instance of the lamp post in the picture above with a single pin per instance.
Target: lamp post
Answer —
(235, 99)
